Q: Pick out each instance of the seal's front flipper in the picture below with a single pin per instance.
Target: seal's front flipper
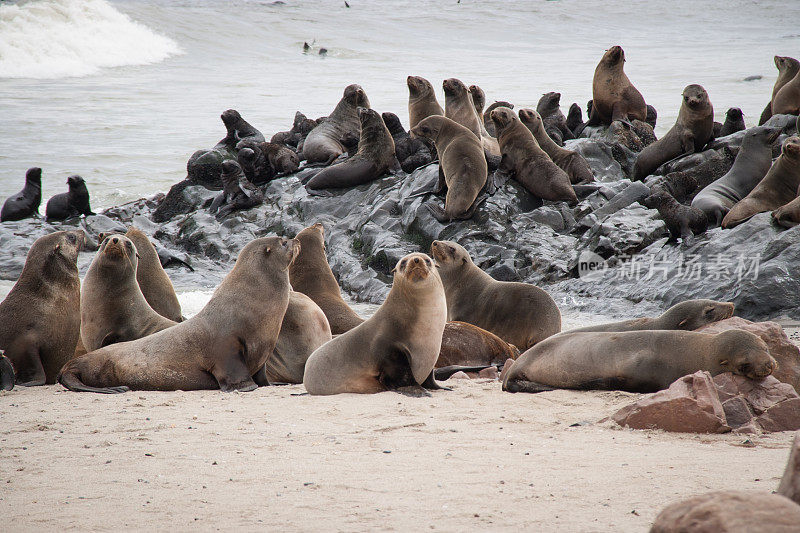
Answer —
(260, 377)
(438, 213)
(72, 382)
(232, 373)
(29, 369)
(6, 373)
(521, 385)
(430, 383)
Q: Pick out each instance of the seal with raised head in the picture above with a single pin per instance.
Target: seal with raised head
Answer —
(734, 121)
(375, 157)
(113, 308)
(488, 123)
(462, 166)
(479, 101)
(788, 67)
(324, 143)
(788, 215)
(635, 361)
(574, 118)
(688, 316)
(221, 347)
(459, 107)
(465, 344)
(576, 167)
(519, 313)
(40, 319)
(152, 279)
(692, 131)
(311, 275)
(26, 202)
(264, 161)
(422, 101)
(70, 204)
(778, 188)
(528, 163)
(749, 168)
(397, 347)
(682, 220)
(555, 123)
(787, 100)
(237, 191)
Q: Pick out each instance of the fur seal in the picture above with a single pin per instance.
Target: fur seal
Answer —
(397, 347)
(787, 100)
(613, 95)
(788, 67)
(154, 283)
(788, 215)
(410, 153)
(687, 316)
(682, 220)
(778, 188)
(375, 157)
(459, 107)
(6, 373)
(40, 319)
(237, 192)
(237, 129)
(576, 167)
(734, 121)
(294, 137)
(635, 361)
(422, 101)
(465, 344)
(479, 102)
(462, 166)
(487, 116)
(652, 116)
(555, 123)
(692, 131)
(69, 204)
(530, 165)
(222, 346)
(113, 308)
(574, 118)
(311, 275)
(26, 202)
(749, 168)
(265, 161)
(519, 313)
(324, 143)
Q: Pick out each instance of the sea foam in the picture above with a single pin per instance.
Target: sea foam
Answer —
(68, 38)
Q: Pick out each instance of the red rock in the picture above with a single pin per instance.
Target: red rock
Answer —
(689, 405)
(459, 375)
(760, 395)
(780, 347)
(488, 373)
(506, 368)
(790, 483)
(783, 416)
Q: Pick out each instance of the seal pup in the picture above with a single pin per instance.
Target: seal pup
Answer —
(153, 281)
(682, 220)
(788, 215)
(269, 160)
(6, 373)
(749, 168)
(323, 144)
(787, 100)
(465, 344)
(687, 316)
(635, 361)
(462, 166)
(519, 313)
(574, 118)
(555, 123)
(734, 121)
(422, 101)
(311, 275)
(487, 116)
(778, 188)
(397, 347)
(788, 67)
(374, 159)
(221, 347)
(576, 167)
(652, 116)
(113, 308)
(237, 192)
(26, 202)
(692, 131)
(40, 319)
(69, 204)
(458, 106)
(529, 164)
(410, 153)
(237, 129)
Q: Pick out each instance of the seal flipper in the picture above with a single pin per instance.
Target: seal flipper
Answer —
(30, 372)
(260, 377)
(232, 374)
(522, 385)
(441, 186)
(430, 383)
(6, 373)
(72, 382)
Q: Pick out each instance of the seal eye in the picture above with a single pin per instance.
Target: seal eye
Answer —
(427, 261)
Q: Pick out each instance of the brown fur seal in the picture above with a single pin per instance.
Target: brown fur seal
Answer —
(465, 344)
(222, 346)
(324, 143)
(788, 67)
(462, 166)
(692, 131)
(613, 95)
(303, 330)
(787, 100)
(397, 347)
(555, 123)
(73, 203)
(788, 215)
(40, 319)
(459, 107)
(688, 316)
(375, 157)
(311, 275)
(635, 361)
(682, 220)
(113, 308)
(479, 101)
(26, 202)
(488, 123)
(519, 313)
(749, 168)
(778, 188)
(153, 280)
(422, 101)
(529, 164)
(237, 191)
(734, 121)
(570, 162)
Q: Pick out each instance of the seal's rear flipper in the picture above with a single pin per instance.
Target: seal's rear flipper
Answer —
(72, 382)
(319, 192)
(260, 377)
(430, 383)
(521, 385)
(6, 373)
(438, 213)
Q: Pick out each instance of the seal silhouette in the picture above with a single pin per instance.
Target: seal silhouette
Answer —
(25, 203)
(70, 204)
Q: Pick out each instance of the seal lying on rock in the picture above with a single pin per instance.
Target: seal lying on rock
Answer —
(422, 101)
(688, 316)
(519, 313)
(113, 308)
(788, 67)
(692, 131)
(154, 283)
(555, 123)
(40, 319)
(682, 220)
(264, 161)
(25, 203)
(635, 361)
(222, 346)
(576, 167)
(411, 153)
(530, 165)
(324, 143)
(778, 188)
(734, 121)
(70, 204)
(374, 159)
(397, 347)
(237, 192)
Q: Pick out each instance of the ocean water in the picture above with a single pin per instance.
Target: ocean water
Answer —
(122, 92)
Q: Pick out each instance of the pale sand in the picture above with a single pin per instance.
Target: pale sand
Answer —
(472, 458)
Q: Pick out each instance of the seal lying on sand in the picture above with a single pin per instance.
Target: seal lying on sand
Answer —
(468, 345)
(26, 202)
(688, 316)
